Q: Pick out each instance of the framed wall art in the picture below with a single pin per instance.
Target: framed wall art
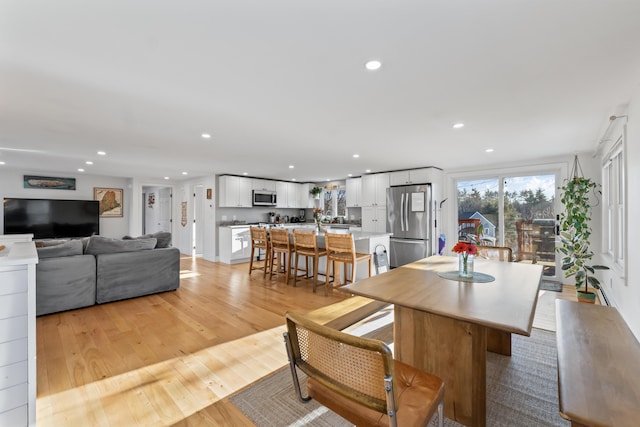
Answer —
(49, 182)
(110, 201)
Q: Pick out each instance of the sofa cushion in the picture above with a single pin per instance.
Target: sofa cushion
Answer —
(63, 248)
(105, 245)
(163, 237)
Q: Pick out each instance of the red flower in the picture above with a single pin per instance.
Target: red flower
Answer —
(465, 248)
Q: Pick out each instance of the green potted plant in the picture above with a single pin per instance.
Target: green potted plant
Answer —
(575, 232)
(315, 192)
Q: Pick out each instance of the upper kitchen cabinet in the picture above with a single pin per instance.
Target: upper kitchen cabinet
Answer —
(415, 176)
(304, 197)
(235, 192)
(263, 184)
(354, 192)
(288, 194)
(374, 189)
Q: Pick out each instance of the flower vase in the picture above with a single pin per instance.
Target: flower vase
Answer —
(465, 265)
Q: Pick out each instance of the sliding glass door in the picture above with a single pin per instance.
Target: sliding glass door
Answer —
(512, 210)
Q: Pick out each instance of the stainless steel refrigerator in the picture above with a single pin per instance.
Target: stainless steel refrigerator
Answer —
(410, 219)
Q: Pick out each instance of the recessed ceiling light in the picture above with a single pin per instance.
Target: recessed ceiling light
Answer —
(166, 177)
(373, 65)
(206, 135)
(80, 170)
(102, 153)
(355, 156)
(293, 179)
(458, 125)
(350, 174)
(328, 179)
(89, 162)
(368, 170)
(2, 163)
(245, 173)
(185, 173)
(489, 150)
(291, 166)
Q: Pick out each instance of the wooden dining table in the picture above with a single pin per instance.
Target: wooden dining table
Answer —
(446, 326)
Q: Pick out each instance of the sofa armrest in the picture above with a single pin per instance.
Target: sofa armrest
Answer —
(132, 274)
(65, 283)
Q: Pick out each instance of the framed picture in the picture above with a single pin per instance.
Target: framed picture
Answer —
(110, 201)
(49, 182)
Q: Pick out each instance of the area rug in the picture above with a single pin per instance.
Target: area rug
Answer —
(522, 391)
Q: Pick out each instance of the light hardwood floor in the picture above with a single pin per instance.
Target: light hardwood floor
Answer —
(171, 359)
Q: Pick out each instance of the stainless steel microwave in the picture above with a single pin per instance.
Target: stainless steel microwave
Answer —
(264, 198)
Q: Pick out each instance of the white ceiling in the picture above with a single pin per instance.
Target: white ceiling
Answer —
(282, 82)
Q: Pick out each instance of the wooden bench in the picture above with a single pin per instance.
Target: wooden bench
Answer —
(598, 366)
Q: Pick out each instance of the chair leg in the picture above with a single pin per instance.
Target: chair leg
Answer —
(441, 414)
(251, 261)
(315, 273)
(295, 270)
(287, 266)
(267, 262)
(294, 373)
(330, 265)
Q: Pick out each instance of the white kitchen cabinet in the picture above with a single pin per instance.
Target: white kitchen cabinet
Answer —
(281, 190)
(18, 334)
(374, 219)
(235, 192)
(263, 184)
(374, 189)
(354, 192)
(235, 244)
(304, 197)
(287, 194)
(413, 176)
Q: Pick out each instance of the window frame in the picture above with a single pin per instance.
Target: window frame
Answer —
(614, 189)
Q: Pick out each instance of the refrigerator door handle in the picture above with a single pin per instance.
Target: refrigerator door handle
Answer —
(406, 212)
(409, 241)
(402, 212)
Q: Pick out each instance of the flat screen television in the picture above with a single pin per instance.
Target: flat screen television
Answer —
(51, 218)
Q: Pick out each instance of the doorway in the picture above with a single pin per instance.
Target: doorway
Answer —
(156, 209)
(517, 211)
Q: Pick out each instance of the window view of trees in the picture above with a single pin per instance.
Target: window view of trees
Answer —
(527, 222)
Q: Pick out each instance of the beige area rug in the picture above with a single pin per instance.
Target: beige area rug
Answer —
(522, 390)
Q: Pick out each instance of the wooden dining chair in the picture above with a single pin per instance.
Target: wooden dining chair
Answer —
(260, 241)
(306, 245)
(498, 253)
(497, 341)
(358, 378)
(283, 249)
(341, 248)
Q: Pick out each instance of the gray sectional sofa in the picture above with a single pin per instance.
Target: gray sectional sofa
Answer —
(78, 273)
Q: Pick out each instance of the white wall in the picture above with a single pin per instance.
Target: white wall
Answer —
(11, 185)
(624, 291)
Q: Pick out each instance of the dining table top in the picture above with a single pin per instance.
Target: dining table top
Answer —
(507, 303)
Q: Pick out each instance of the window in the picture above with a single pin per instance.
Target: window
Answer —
(613, 187)
(335, 202)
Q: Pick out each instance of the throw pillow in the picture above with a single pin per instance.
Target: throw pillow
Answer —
(68, 248)
(163, 237)
(105, 245)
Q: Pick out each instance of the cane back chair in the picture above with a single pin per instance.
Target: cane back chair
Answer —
(358, 378)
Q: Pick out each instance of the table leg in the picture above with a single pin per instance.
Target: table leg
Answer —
(499, 342)
(454, 350)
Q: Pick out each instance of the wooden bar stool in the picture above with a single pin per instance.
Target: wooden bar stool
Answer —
(306, 245)
(342, 248)
(260, 240)
(282, 247)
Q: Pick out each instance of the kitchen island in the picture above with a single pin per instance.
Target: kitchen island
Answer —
(235, 243)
